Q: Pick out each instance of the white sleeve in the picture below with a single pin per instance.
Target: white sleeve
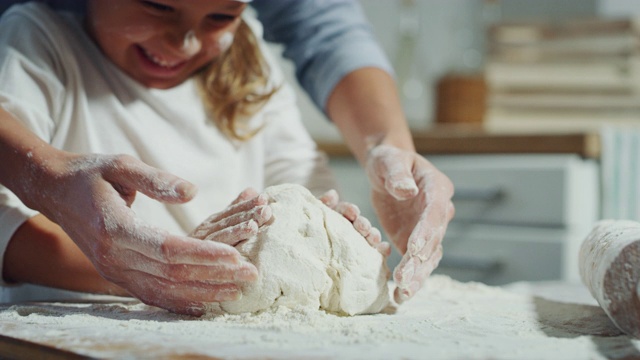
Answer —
(30, 90)
(291, 154)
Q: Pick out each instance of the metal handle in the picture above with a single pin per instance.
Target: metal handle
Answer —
(487, 266)
(479, 194)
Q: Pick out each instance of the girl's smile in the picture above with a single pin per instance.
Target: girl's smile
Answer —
(157, 66)
(161, 43)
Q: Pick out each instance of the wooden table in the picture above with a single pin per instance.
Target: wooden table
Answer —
(446, 320)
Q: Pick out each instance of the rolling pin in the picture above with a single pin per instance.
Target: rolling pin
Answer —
(610, 268)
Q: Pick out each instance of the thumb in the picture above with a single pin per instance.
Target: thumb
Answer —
(395, 168)
(135, 175)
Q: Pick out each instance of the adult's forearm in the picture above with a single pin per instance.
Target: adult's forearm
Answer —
(22, 152)
(40, 252)
(365, 106)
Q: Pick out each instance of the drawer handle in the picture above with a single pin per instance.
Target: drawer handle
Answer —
(487, 266)
(486, 194)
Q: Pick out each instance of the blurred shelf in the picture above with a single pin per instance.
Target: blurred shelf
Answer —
(455, 139)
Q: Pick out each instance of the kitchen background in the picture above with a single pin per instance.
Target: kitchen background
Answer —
(519, 216)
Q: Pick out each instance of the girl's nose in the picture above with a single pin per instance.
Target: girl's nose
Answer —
(190, 44)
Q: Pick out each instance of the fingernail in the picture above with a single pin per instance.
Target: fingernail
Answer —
(230, 259)
(404, 189)
(228, 294)
(262, 199)
(384, 248)
(401, 295)
(247, 273)
(404, 273)
(264, 214)
(195, 310)
(416, 246)
(186, 189)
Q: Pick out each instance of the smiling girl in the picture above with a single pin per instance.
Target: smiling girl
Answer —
(122, 99)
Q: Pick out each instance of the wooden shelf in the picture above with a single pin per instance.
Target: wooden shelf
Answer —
(470, 139)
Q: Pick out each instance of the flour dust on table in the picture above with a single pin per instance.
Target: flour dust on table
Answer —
(311, 257)
(446, 320)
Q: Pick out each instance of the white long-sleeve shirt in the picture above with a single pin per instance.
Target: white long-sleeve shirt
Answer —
(56, 81)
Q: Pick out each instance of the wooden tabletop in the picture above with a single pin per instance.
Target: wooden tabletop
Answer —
(470, 139)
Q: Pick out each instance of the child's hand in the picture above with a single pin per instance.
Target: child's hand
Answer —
(352, 213)
(413, 202)
(90, 198)
(238, 222)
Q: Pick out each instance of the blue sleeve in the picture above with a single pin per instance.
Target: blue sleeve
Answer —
(326, 40)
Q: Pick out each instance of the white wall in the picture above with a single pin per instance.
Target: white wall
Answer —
(618, 8)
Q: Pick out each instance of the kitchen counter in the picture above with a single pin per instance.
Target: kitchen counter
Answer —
(470, 139)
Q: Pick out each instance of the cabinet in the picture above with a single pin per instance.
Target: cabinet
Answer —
(518, 217)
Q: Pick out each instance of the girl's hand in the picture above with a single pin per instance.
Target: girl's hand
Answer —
(238, 222)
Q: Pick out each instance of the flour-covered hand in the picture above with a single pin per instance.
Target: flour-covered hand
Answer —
(413, 202)
(352, 213)
(90, 196)
(238, 222)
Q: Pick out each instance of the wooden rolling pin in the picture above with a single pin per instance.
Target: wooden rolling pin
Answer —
(610, 268)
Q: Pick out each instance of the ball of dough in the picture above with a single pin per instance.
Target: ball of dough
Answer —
(311, 256)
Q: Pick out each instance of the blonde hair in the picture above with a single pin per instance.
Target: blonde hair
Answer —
(236, 85)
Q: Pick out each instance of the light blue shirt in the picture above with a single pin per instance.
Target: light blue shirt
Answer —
(326, 40)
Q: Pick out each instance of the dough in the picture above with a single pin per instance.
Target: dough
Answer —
(311, 256)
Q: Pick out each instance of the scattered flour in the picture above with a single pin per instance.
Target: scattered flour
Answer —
(446, 320)
(310, 257)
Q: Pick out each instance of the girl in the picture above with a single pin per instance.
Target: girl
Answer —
(133, 87)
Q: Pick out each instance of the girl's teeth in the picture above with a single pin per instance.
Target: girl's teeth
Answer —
(158, 61)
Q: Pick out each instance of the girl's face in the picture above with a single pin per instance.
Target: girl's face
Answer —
(161, 43)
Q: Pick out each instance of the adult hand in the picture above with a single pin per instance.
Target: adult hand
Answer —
(90, 198)
(238, 222)
(412, 199)
(352, 213)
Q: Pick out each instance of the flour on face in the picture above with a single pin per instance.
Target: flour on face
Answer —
(310, 256)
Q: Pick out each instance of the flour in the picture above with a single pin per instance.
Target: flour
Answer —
(310, 257)
(446, 320)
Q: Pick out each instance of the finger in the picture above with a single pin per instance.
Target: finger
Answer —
(246, 194)
(362, 225)
(429, 231)
(180, 307)
(260, 215)
(401, 295)
(216, 273)
(240, 207)
(384, 248)
(400, 184)
(132, 173)
(411, 273)
(178, 250)
(151, 287)
(330, 198)
(185, 298)
(396, 171)
(348, 210)
(375, 237)
(403, 273)
(235, 234)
